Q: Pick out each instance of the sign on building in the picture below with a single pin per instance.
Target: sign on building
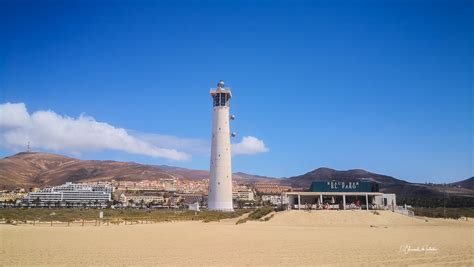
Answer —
(339, 186)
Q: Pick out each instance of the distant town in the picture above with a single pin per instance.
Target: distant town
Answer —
(175, 193)
(160, 193)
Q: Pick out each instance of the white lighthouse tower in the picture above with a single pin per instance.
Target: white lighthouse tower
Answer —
(220, 182)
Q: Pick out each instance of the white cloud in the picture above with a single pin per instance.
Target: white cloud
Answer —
(51, 131)
(194, 146)
(248, 146)
(48, 130)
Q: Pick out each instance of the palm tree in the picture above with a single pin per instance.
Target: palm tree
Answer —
(37, 201)
(240, 203)
(181, 203)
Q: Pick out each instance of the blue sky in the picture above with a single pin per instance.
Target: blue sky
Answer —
(384, 86)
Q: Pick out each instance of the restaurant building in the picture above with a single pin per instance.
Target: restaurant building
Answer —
(340, 195)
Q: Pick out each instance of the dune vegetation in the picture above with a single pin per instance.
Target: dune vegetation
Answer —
(114, 215)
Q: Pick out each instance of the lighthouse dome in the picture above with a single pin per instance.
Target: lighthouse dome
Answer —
(220, 84)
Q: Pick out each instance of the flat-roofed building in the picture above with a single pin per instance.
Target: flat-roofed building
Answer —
(340, 195)
(191, 198)
(128, 199)
(72, 193)
(245, 194)
(11, 196)
(273, 199)
(270, 188)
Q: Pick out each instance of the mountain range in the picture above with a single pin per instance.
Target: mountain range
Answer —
(35, 169)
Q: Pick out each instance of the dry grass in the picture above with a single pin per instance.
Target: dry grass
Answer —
(76, 214)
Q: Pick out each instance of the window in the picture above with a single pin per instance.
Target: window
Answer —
(216, 100)
(223, 99)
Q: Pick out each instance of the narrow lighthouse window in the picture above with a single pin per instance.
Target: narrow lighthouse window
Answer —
(223, 99)
(216, 100)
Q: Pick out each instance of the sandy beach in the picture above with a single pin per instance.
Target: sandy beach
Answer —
(290, 238)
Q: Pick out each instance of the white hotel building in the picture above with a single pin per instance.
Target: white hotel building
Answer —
(73, 193)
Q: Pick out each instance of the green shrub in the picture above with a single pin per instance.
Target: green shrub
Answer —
(241, 220)
(115, 215)
(267, 218)
(454, 213)
(260, 212)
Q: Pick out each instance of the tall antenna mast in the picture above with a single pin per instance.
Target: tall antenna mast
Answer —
(28, 147)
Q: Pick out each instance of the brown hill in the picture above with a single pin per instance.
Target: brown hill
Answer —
(39, 169)
(204, 174)
(23, 169)
(252, 179)
(387, 183)
(326, 174)
(34, 169)
(468, 183)
(403, 189)
(186, 173)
